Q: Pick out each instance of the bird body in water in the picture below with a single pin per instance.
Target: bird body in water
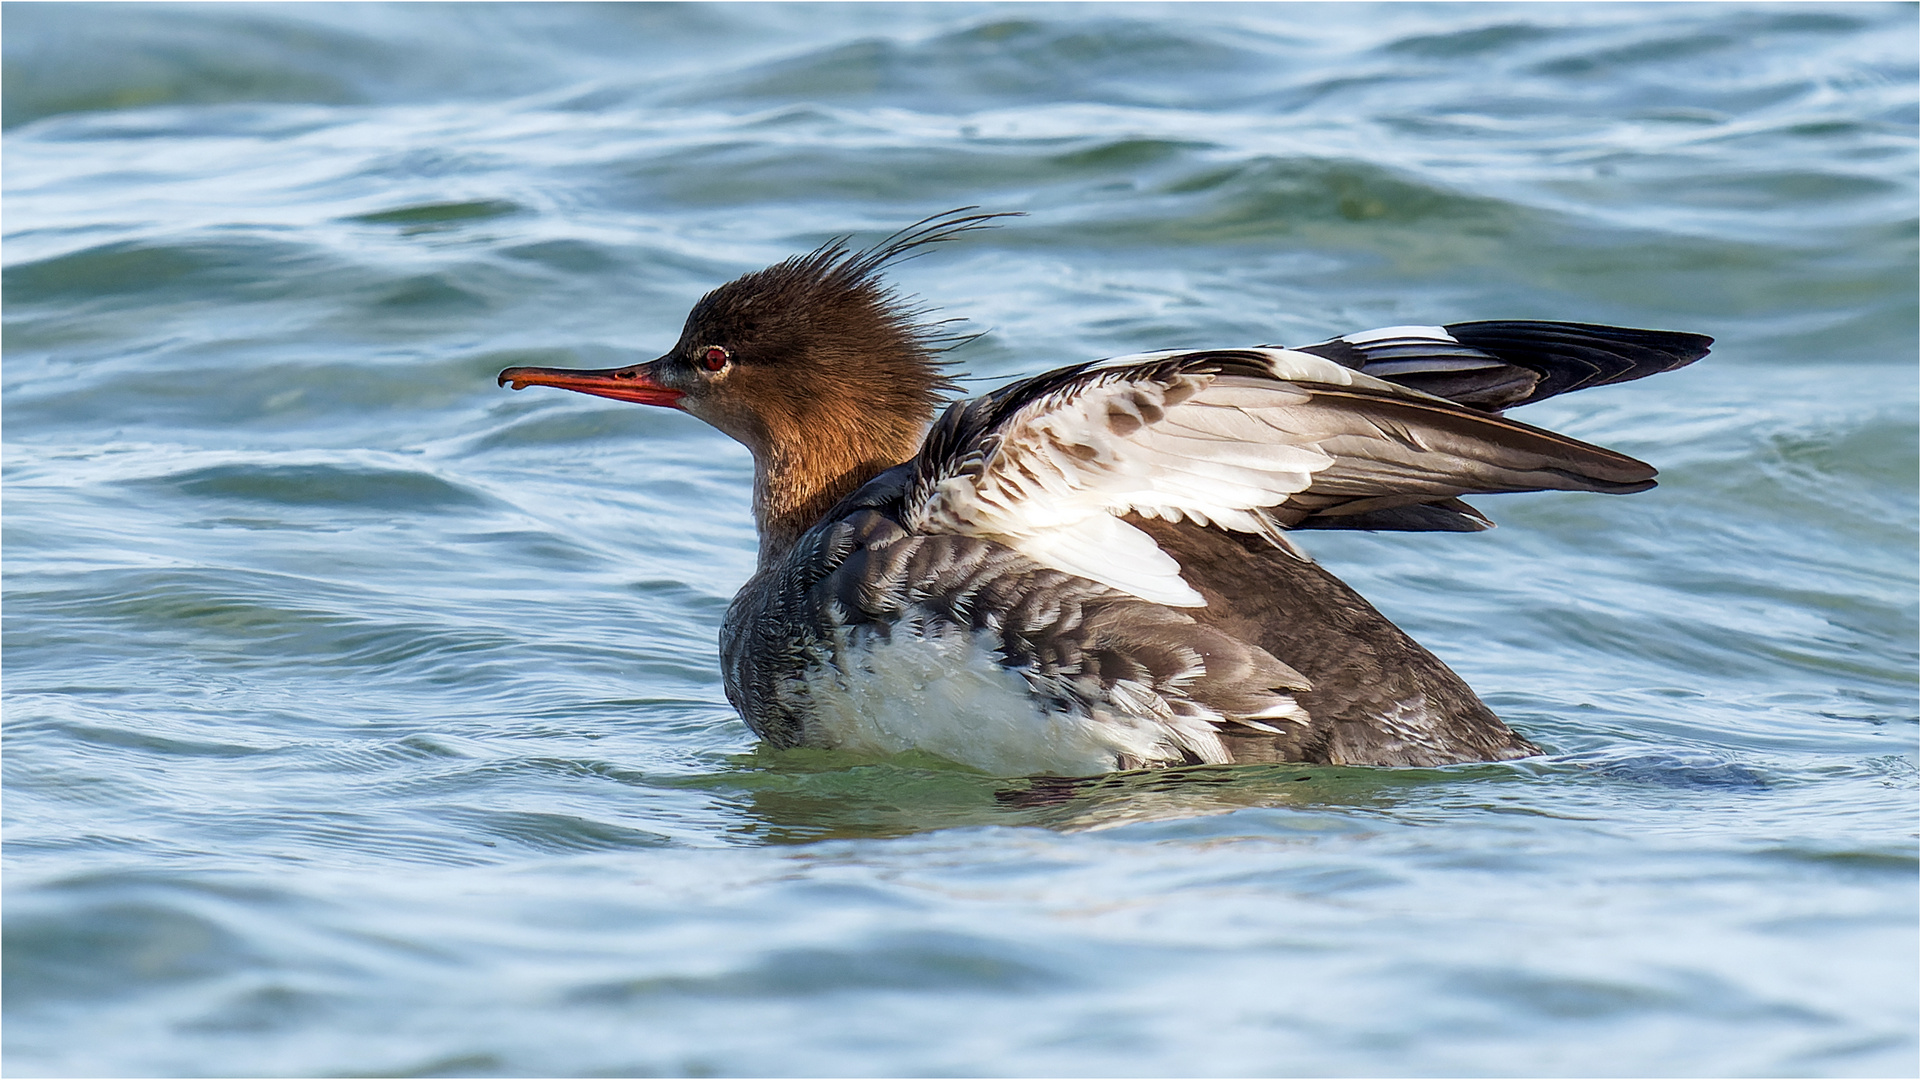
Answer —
(1089, 570)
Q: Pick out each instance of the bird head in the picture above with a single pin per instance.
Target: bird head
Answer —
(817, 347)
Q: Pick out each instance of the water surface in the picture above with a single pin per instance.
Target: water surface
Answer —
(363, 718)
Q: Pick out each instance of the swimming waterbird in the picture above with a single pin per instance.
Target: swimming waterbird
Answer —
(1090, 570)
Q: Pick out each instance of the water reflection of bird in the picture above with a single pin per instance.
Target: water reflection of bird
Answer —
(1088, 570)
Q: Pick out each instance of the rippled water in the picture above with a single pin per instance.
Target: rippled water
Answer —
(363, 718)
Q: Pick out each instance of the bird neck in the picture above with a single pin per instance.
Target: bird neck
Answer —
(800, 473)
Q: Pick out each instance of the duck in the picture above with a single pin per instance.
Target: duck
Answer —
(1093, 569)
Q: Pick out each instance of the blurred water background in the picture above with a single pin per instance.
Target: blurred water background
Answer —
(363, 718)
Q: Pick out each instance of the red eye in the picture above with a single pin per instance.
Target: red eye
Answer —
(713, 357)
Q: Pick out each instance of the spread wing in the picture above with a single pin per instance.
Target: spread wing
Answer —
(1252, 440)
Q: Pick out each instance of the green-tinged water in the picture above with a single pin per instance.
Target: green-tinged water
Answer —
(364, 718)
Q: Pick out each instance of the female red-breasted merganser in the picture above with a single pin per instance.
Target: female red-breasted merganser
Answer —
(1088, 570)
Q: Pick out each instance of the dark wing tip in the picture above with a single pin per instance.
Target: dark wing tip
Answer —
(1571, 356)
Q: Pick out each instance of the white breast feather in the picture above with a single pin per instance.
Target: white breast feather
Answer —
(947, 693)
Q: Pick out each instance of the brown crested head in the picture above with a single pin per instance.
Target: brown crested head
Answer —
(816, 364)
(819, 343)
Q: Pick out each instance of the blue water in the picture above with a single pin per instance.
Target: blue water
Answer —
(364, 718)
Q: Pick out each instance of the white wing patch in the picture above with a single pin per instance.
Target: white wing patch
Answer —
(1430, 333)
